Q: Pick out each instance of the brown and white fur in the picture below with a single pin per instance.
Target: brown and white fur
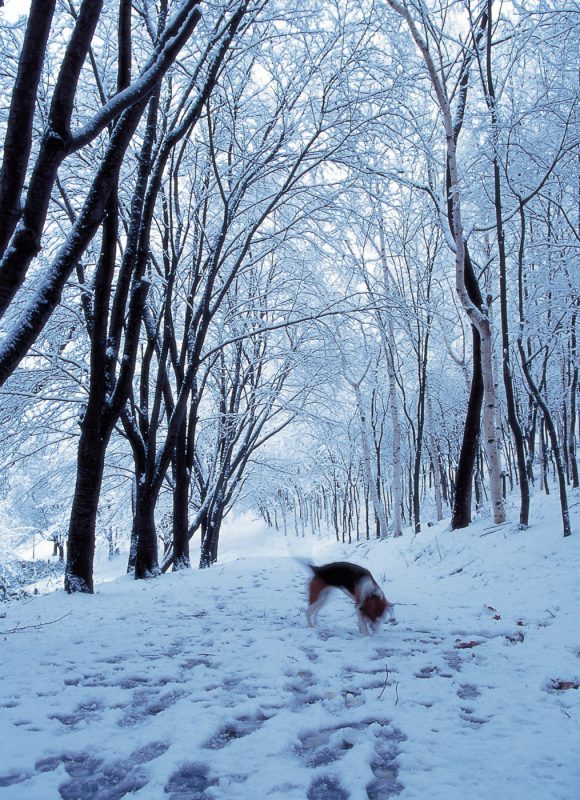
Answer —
(356, 582)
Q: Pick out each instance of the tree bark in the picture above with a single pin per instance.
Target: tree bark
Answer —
(81, 536)
(146, 557)
(181, 480)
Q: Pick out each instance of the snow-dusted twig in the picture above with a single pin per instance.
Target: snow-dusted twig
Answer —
(17, 629)
(386, 683)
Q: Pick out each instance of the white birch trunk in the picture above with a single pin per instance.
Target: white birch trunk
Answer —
(497, 386)
(477, 316)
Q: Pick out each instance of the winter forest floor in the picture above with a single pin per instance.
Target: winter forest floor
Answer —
(207, 685)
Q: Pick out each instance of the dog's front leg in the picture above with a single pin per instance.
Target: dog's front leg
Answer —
(362, 623)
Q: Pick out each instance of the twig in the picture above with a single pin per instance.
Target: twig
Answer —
(17, 629)
(397, 692)
(386, 681)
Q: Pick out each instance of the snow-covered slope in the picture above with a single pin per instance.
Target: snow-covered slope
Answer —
(208, 685)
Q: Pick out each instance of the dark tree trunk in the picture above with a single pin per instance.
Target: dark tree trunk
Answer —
(146, 558)
(96, 427)
(573, 395)
(205, 552)
(57, 144)
(18, 140)
(217, 525)
(181, 557)
(553, 434)
(54, 147)
(461, 515)
(81, 536)
(210, 535)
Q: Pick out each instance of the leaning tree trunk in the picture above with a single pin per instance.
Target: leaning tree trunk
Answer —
(525, 361)
(553, 434)
(19, 126)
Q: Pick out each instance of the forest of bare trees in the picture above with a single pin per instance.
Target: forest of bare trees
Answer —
(317, 259)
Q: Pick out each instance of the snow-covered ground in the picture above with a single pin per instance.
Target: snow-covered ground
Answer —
(209, 686)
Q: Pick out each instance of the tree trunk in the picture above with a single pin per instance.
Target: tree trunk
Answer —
(507, 375)
(210, 536)
(146, 558)
(18, 142)
(181, 557)
(422, 380)
(477, 314)
(367, 469)
(573, 396)
(553, 434)
(461, 515)
(83, 517)
(435, 460)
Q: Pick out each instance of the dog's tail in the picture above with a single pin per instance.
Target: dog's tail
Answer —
(306, 563)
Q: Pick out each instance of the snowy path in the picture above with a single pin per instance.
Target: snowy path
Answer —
(208, 686)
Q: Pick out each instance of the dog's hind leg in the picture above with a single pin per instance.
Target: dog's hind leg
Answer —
(317, 596)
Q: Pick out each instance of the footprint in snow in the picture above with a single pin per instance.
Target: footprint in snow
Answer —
(190, 782)
(148, 703)
(329, 745)
(237, 729)
(326, 787)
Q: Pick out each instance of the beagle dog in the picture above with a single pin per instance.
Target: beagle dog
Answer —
(356, 582)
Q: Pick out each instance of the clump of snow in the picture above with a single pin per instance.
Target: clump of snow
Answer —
(208, 685)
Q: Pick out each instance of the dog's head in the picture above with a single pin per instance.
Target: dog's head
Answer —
(374, 606)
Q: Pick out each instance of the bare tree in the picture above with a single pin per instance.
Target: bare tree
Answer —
(478, 315)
